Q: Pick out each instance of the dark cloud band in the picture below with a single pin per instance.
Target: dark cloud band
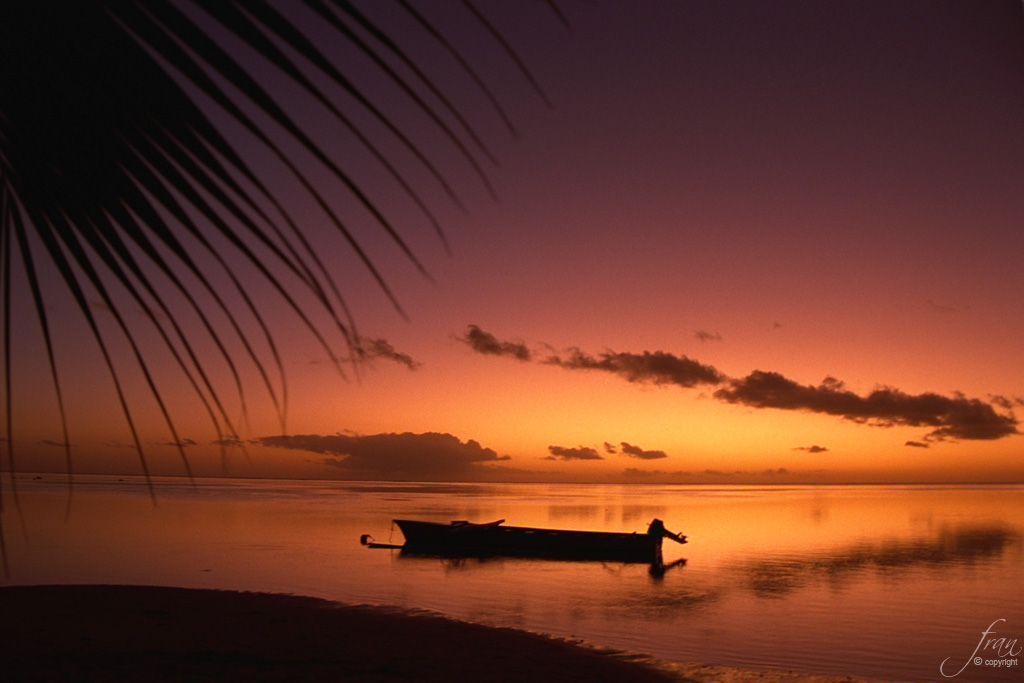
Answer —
(956, 417)
(486, 343)
(368, 348)
(949, 417)
(637, 452)
(656, 367)
(422, 457)
(578, 453)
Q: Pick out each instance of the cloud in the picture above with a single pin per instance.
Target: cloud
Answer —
(949, 417)
(917, 444)
(421, 457)
(184, 443)
(610, 448)
(956, 417)
(579, 453)
(1006, 403)
(656, 367)
(486, 343)
(637, 452)
(367, 349)
(720, 473)
(703, 336)
(114, 443)
(230, 441)
(811, 449)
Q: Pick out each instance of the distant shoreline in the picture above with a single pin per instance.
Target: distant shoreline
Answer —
(129, 633)
(58, 476)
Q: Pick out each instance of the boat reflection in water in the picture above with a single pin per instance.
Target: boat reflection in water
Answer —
(460, 539)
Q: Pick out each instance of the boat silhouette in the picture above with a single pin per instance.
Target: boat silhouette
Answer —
(495, 539)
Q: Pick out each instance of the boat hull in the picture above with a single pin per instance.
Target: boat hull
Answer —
(483, 540)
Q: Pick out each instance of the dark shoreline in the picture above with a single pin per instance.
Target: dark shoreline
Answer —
(135, 633)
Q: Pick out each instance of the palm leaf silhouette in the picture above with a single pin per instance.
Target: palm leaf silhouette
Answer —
(122, 175)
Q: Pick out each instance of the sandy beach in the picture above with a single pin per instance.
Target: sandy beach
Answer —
(131, 633)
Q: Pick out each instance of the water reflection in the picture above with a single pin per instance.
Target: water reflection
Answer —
(669, 604)
(781, 577)
(456, 562)
(772, 577)
(964, 545)
(460, 562)
(794, 577)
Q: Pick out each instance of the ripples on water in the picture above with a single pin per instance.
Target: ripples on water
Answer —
(876, 581)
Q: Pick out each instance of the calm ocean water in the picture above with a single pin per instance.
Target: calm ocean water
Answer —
(891, 582)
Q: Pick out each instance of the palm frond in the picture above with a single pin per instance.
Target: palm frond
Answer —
(123, 178)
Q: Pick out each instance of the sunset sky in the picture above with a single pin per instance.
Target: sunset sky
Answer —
(747, 242)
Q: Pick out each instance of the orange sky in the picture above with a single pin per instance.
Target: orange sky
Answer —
(801, 192)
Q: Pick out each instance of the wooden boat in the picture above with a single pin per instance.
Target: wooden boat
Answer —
(467, 539)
